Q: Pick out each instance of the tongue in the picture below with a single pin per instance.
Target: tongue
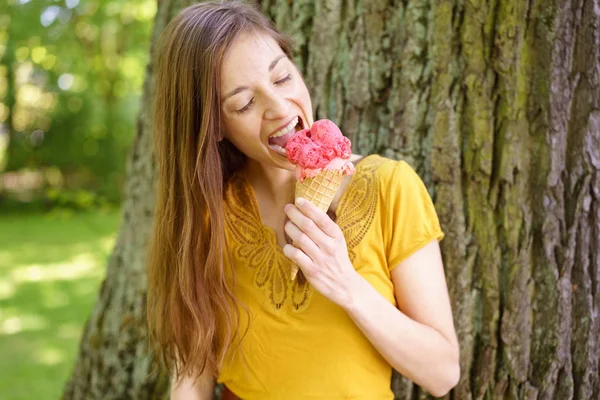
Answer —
(282, 140)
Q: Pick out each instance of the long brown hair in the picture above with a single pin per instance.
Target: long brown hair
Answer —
(192, 311)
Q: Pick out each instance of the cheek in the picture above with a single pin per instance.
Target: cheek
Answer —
(241, 131)
(231, 131)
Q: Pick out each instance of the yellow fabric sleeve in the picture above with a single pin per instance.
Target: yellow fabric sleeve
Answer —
(412, 221)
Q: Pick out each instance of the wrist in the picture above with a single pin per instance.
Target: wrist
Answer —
(356, 288)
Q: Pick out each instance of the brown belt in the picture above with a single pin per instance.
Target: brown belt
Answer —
(228, 394)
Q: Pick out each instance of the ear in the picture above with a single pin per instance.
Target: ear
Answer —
(221, 135)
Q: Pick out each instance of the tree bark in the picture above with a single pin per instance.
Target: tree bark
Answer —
(9, 101)
(496, 104)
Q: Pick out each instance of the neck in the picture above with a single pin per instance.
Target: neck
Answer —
(276, 185)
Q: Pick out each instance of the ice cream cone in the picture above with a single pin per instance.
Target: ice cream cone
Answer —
(321, 155)
(320, 191)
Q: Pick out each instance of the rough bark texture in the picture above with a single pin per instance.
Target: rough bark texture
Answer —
(497, 105)
(9, 101)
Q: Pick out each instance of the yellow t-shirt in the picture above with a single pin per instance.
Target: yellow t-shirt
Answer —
(300, 345)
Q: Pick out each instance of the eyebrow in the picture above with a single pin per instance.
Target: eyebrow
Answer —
(242, 88)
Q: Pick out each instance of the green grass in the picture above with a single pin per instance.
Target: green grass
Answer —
(51, 267)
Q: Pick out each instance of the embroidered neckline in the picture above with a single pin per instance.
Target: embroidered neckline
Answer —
(255, 208)
(256, 242)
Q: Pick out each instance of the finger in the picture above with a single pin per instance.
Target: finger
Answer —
(307, 225)
(320, 218)
(302, 241)
(299, 258)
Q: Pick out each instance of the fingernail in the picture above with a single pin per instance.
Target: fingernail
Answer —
(300, 201)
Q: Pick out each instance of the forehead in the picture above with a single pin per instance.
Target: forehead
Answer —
(248, 56)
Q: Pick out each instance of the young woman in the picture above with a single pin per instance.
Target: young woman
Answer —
(221, 306)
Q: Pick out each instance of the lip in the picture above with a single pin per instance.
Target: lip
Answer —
(284, 125)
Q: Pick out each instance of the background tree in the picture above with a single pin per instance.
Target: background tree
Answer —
(69, 78)
(497, 106)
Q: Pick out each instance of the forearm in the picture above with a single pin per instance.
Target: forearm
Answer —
(417, 351)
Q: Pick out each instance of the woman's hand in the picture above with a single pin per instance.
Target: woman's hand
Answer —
(322, 254)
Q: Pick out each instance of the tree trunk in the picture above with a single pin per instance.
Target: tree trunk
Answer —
(113, 360)
(9, 101)
(496, 104)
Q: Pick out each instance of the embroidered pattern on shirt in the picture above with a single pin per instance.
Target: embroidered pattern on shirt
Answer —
(256, 244)
(359, 205)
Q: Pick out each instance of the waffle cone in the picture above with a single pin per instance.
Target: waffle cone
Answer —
(320, 191)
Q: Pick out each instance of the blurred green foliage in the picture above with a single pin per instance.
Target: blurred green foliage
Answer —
(71, 73)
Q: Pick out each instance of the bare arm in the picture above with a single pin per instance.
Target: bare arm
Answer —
(186, 389)
(418, 337)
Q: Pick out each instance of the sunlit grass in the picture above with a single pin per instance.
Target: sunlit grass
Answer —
(50, 272)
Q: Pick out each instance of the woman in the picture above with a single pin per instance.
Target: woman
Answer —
(221, 306)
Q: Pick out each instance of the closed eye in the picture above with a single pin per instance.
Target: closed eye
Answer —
(284, 80)
(246, 107)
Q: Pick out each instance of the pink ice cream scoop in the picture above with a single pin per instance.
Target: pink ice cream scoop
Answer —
(322, 147)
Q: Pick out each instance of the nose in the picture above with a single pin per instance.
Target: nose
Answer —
(277, 106)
